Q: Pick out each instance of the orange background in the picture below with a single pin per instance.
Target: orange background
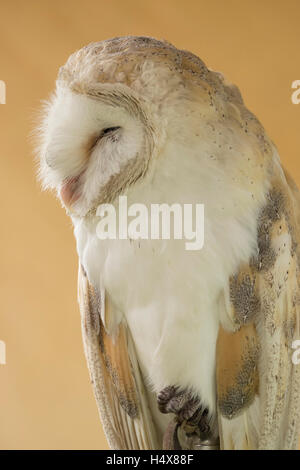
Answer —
(45, 396)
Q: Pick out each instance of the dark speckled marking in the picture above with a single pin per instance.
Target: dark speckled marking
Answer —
(268, 216)
(243, 289)
(94, 308)
(244, 297)
(242, 394)
(129, 406)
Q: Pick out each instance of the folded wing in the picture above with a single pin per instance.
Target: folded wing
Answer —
(115, 375)
(258, 383)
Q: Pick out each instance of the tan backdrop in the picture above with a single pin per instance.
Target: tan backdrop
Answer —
(45, 395)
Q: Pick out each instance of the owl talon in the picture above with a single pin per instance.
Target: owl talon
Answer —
(192, 427)
(180, 402)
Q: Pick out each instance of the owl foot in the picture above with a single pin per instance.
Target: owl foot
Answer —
(192, 427)
(182, 403)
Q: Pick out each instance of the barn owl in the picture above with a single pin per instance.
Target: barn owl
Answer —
(185, 349)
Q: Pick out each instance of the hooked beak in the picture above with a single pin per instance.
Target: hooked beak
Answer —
(70, 190)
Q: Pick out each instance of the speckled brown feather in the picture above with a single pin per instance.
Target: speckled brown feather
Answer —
(117, 362)
(237, 369)
(115, 376)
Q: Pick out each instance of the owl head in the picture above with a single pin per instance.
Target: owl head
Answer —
(116, 106)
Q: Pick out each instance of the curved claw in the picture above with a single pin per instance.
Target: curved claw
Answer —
(176, 438)
(170, 439)
(192, 427)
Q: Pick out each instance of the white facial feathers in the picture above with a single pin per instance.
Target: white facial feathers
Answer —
(86, 137)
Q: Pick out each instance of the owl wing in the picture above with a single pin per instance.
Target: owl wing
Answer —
(115, 375)
(258, 386)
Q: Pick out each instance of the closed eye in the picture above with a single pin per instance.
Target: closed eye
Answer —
(109, 130)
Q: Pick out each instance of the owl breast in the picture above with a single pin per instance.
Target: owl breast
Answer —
(168, 295)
